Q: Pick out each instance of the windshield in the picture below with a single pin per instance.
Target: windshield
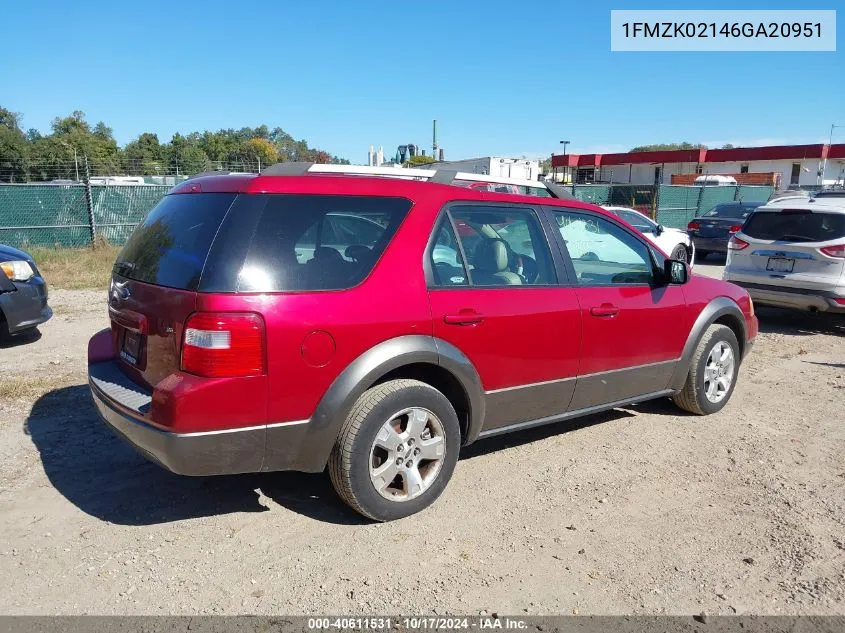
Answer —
(729, 211)
(796, 226)
(637, 220)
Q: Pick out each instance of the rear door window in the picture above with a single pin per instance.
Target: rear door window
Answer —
(504, 246)
(447, 264)
(795, 226)
(318, 242)
(170, 246)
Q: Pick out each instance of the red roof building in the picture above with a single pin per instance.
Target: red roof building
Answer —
(788, 165)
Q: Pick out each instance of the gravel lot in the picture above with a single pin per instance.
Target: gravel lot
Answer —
(641, 510)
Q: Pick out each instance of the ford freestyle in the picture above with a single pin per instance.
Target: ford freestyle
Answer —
(372, 326)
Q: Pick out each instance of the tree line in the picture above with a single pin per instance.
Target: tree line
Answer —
(30, 155)
(662, 147)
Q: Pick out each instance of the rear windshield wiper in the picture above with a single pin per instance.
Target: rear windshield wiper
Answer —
(121, 267)
(795, 238)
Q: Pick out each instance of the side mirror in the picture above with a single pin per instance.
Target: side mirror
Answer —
(659, 229)
(675, 272)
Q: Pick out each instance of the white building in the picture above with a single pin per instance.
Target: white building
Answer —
(375, 158)
(521, 168)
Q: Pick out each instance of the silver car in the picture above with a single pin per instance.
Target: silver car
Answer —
(791, 253)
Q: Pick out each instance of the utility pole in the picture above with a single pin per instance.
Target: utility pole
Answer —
(820, 179)
(75, 157)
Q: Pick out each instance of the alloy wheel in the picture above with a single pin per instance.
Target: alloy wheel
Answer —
(407, 454)
(719, 372)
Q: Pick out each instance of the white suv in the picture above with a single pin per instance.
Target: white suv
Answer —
(791, 253)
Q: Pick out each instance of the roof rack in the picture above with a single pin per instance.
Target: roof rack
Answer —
(442, 176)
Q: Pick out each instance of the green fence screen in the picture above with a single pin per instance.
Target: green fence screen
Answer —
(676, 205)
(596, 194)
(57, 215)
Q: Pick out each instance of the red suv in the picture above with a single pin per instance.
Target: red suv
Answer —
(376, 325)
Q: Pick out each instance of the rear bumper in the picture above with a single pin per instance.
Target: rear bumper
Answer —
(26, 307)
(122, 405)
(795, 298)
(710, 244)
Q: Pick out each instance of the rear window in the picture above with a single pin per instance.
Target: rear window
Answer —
(796, 226)
(729, 211)
(318, 242)
(170, 246)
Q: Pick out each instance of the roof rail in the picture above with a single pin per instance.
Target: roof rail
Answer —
(442, 176)
(218, 172)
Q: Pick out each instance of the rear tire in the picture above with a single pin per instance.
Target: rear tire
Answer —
(396, 450)
(712, 374)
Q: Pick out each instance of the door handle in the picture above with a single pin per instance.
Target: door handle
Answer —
(604, 310)
(464, 317)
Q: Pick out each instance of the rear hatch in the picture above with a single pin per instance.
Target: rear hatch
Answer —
(791, 247)
(155, 279)
(716, 227)
(721, 221)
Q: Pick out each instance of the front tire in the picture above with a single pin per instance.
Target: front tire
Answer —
(396, 450)
(5, 335)
(680, 253)
(713, 372)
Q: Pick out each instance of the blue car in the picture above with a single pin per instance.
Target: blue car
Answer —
(23, 293)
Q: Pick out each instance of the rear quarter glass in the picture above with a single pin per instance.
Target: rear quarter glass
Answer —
(170, 247)
(301, 242)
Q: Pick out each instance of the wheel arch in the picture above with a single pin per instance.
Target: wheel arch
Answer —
(424, 358)
(721, 310)
(5, 329)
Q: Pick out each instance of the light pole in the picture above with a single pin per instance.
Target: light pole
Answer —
(833, 126)
(75, 158)
(565, 166)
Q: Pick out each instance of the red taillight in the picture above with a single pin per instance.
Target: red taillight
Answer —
(736, 244)
(839, 301)
(693, 226)
(220, 345)
(736, 228)
(834, 251)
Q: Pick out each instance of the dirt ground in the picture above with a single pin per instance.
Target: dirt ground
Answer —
(641, 510)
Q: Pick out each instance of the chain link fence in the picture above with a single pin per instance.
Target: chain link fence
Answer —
(61, 215)
(671, 205)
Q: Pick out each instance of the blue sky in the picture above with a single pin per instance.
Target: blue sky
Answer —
(500, 78)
